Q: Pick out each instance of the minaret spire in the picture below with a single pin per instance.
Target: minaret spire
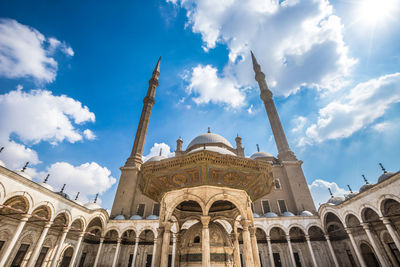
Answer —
(284, 152)
(148, 102)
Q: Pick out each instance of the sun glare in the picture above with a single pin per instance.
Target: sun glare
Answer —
(376, 11)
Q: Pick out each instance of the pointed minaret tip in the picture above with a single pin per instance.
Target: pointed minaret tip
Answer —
(253, 58)
(157, 68)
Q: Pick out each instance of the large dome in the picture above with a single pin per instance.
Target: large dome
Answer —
(208, 138)
(261, 154)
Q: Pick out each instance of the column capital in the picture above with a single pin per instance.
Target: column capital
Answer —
(65, 229)
(268, 238)
(119, 239)
(385, 220)
(25, 217)
(136, 240)
(307, 237)
(287, 238)
(101, 239)
(327, 237)
(167, 226)
(348, 230)
(253, 231)
(245, 224)
(205, 220)
(82, 234)
(48, 224)
(365, 225)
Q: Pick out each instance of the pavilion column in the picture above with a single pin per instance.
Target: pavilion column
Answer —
(291, 250)
(236, 249)
(157, 247)
(271, 255)
(391, 231)
(14, 240)
(165, 244)
(38, 247)
(116, 255)
(254, 246)
(59, 247)
(332, 251)
(135, 250)
(77, 248)
(173, 250)
(311, 251)
(153, 257)
(354, 244)
(373, 243)
(205, 242)
(248, 255)
(96, 261)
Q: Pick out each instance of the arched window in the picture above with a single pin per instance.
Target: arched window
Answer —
(196, 239)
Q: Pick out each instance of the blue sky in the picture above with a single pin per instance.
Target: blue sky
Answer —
(73, 76)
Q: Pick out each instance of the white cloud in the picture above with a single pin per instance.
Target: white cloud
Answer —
(298, 43)
(385, 126)
(31, 117)
(155, 151)
(89, 134)
(320, 193)
(24, 51)
(88, 178)
(250, 110)
(359, 108)
(299, 123)
(208, 87)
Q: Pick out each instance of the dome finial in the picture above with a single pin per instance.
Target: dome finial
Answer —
(62, 189)
(47, 178)
(209, 130)
(95, 199)
(383, 169)
(77, 195)
(351, 191)
(1, 148)
(258, 148)
(25, 166)
(365, 179)
(330, 192)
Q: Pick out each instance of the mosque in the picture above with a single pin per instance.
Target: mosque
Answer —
(209, 205)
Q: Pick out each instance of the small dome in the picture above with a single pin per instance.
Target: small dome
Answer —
(119, 217)
(366, 187)
(261, 155)
(92, 206)
(208, 138)
(385, 176)
(336, 200)
(156, 158)
(306, 213)
(46, 185)
(256, 215)
(270, 215)
(152, 217)
(219, 150)
(136, 217)
(24, 174)
(350, 195)
(287, 214)
(63, 195)
(2, 164)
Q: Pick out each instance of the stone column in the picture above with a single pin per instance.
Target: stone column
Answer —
(248, 255)
(14, 240)
(311, 251)
(271, 255)
(76, 250)
(236, 249)
(135, 252)
(173, 250)
(116, 255)
(355, 247)
(332, 251)
(374, 246)
(205, 242)
(291, 250)
(254, 246)
(158, 247)
(96, 261)
(165, 244)
(38, 247)
(153, 257)
(59, 247)
(391, 231)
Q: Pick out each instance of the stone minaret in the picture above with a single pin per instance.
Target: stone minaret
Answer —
(284, 152)
(127, 186)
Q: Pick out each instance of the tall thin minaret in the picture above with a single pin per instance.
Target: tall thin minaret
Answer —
(128, 182)
(284, 152)
(148, 102)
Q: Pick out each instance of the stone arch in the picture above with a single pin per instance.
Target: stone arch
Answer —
(334, 226)
(297, 233)
(389, 206)
(351, 219)
(261, 226)
(365, 207)
(129, 228)
(41, 214)
(368, 254)
(96, 222)
(311, 225)
(316, 233)
(113, 228)
(331, 211)
(369, 214)
(385, 197)
(44, 203)
(66, 255)
(82, 221)
(277, 233)
(301, 227)
(21, 201)
(148, 228)
(225, 197)
(147, 235)
(277, 225)
(180, 199)
(67, 214)
(224, 223)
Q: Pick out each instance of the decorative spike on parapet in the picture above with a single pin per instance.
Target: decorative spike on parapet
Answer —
(135, 159)
(351, 191)
(284, 152)
(62, 189)
(77, 195)
(365, 179)
(330, 192)
(95, 199)
(383, 169)
(47, 178)
(1, 149)
(25, 166)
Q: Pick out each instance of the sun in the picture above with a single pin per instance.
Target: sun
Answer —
(373, 12)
